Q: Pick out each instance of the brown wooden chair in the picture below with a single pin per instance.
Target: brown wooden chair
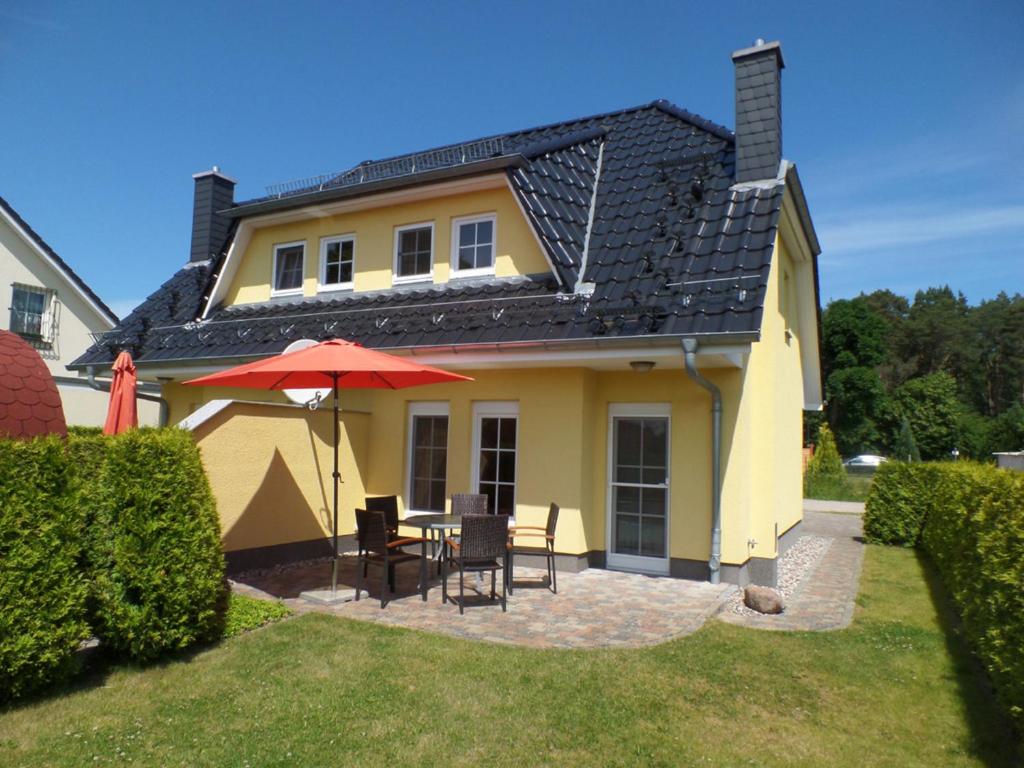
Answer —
(378, 548)
(482, 547)
(547, 551)
(469, 504)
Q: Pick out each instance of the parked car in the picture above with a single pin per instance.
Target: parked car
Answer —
(866, 462)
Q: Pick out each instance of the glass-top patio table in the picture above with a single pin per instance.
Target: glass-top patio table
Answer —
(440, 523)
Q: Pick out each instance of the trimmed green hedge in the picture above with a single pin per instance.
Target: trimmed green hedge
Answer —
(970, 520)
(42, 588)
(159, 569)
(112, 536)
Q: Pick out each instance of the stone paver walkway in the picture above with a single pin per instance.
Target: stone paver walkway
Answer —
(826, 595)
(593, 609)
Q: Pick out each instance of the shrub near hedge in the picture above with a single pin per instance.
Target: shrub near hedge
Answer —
(159, 570)
(42, 588)
(970, 520)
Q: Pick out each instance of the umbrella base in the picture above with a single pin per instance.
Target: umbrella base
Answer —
(330, 597)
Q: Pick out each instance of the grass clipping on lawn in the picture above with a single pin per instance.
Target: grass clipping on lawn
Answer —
(897, 688)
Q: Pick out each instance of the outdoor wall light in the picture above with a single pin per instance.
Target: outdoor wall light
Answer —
(642, 366)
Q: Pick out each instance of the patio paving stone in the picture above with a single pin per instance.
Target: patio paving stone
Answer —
(593, 608)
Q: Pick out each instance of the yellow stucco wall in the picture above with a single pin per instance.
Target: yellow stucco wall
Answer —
(517, 252)
(270, 470)
(563, 432)
(774, 402)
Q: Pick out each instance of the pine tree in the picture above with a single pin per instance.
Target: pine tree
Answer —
(826, 462)
(905, 448)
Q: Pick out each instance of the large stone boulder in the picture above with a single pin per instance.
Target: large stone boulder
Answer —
(763, 599)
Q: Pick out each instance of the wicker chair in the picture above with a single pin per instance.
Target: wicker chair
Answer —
(469, 504)
(482, 547)
(378, 547)
(547, 551)
(389, 506)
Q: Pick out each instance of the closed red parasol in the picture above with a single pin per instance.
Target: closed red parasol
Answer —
(122, 413)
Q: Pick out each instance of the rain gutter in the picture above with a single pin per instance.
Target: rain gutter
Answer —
(105, 387)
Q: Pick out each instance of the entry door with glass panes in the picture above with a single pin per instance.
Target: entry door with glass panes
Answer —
(638, 488)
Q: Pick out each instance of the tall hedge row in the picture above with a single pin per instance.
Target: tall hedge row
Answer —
(113, 537)
(159, 582)
(970, 520)
(42, 588)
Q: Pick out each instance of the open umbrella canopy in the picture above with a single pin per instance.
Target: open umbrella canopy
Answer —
(122, 412)
(340, 363)
(336, 364)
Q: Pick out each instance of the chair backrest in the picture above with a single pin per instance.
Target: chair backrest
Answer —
(371, 530)
(552, 519)
(483, 537)
(469, 504)
(386, 504)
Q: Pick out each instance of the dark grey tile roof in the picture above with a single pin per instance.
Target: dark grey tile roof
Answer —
(661, 245)
(45, 247)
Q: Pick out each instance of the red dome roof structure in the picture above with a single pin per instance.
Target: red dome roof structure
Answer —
(29, 402)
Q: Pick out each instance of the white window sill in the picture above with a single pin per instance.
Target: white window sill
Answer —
(456, 274)
(274, 294)
(335, 288)
(399, 280)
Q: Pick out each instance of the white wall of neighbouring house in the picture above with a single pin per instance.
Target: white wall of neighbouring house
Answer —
(73, 318)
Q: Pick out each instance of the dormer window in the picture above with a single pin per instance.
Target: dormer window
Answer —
(289, 265)
(473, 246)
(414, 253)
(337, 262)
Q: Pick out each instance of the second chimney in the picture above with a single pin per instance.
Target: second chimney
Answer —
(758, 111)
(214, 192)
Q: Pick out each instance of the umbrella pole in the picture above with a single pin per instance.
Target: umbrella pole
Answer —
(337, 476)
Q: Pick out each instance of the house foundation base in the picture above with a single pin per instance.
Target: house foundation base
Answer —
(756, 570)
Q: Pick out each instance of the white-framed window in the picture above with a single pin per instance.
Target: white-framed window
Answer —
(495, 454)
(337, 262)
(32, 313)
(427, 457)
(473, 245)
(289, 268)
(414, 253)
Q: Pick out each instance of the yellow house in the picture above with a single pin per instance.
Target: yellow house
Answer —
(634, 294)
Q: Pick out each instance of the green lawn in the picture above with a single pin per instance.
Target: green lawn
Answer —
(853, 487)
(896, 689)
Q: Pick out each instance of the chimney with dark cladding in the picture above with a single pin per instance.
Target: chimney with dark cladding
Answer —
(758, 111)
(214, 192)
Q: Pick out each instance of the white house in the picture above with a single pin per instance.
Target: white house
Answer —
(52, 308)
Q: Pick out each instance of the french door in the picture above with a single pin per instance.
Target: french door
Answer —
(638, 487)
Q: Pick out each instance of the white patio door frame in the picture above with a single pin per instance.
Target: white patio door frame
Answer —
(502, 409)
(637, 563)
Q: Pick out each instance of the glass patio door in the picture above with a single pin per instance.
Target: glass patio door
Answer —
(638, 492)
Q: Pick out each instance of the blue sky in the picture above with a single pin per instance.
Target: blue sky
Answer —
(905, 119)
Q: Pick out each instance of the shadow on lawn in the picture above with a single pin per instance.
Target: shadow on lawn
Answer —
(992, 737)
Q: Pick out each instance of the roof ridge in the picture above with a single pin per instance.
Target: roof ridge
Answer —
(693, 118)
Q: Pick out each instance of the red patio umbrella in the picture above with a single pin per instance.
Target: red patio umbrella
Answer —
(121, 412)
(337, 364)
